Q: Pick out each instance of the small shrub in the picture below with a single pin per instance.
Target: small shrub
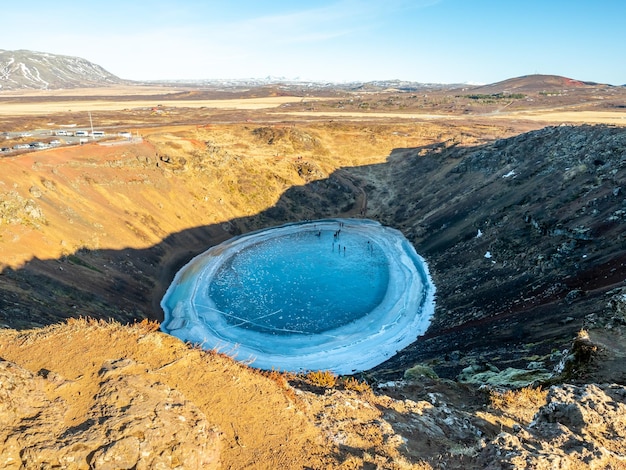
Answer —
(584, 350)
(350, 383)
(322, 378)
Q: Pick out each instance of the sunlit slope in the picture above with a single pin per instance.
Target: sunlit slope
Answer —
(57, 201)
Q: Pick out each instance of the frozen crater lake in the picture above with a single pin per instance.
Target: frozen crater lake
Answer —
(338, 294)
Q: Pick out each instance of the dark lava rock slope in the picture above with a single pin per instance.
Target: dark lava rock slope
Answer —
(525, 238)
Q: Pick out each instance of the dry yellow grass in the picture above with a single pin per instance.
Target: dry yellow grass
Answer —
(228, 393)
(519, 404)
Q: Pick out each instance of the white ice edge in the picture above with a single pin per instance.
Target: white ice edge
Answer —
(403, 315)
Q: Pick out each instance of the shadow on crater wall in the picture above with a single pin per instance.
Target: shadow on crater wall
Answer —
(520, 248)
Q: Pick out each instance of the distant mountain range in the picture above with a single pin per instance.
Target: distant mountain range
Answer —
(38, 70)
(24, 69)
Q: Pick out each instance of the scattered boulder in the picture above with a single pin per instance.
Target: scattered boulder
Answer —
(419, 371)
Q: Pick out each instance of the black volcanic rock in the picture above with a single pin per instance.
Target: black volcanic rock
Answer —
(524, 238)
(39, 70)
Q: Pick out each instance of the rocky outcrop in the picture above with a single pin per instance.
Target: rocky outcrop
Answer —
(579, 427)
(132, 424)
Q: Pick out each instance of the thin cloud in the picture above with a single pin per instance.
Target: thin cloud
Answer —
(339, 19)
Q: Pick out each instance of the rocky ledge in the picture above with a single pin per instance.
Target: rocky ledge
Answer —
(125, 397)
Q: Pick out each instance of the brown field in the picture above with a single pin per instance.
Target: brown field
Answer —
(545, 116)
(84, 104)
(47, 103)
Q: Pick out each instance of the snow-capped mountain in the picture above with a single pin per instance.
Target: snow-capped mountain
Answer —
(39, 70)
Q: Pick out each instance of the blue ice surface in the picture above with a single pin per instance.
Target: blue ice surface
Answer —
(335, 294)
(305, 282)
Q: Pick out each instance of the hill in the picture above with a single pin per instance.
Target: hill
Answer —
(533, 84)
(24, 69)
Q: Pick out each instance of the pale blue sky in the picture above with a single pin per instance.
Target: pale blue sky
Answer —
(444, 41)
